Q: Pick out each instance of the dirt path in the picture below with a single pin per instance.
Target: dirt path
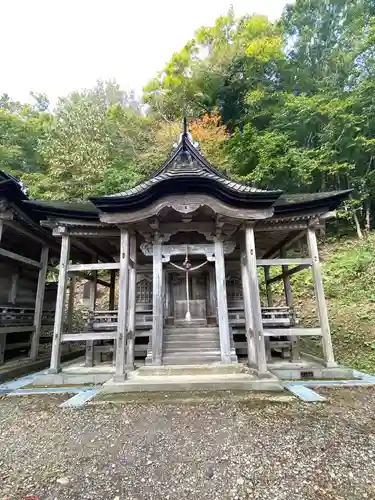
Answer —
(209, 450)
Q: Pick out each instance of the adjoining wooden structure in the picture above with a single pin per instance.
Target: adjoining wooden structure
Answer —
(185, 247)
(27, 299)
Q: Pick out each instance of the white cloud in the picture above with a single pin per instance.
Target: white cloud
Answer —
(56, 46)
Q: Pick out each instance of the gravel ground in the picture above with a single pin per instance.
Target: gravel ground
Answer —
(217, 449)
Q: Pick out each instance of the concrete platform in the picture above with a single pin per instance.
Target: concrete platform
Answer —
(22, 366)
(76, 373)
(308, 368)
(192, 378)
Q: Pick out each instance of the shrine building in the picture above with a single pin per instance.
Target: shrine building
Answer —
(181, 252)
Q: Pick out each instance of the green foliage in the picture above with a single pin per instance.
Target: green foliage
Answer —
(283, 105)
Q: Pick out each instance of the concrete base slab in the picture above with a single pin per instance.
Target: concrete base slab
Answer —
(138, 382)
(208, 369)
(76, 373)
(21, 366)
(304, 393)
(307, 369)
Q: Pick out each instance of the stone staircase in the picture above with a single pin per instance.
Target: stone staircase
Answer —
(192, 346)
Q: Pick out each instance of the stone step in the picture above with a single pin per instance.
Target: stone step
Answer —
(199, 369)
(185, 344)
(196, 359)
(191, 330)
(183, 351)
(191, 337)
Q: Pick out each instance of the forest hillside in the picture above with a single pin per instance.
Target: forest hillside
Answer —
(286, 104)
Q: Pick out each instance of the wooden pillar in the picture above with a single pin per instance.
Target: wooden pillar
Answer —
(251, 350)
(60, 303)
(222, 306)
(112, 289)
(268, 286)
(211, 292)
(255, 298)
(320, 298)
(12, 298)
(3, 339)
(3, 336)
(132, 303)
(123, 285)
(157, 303)
(89, 356)
(70, 312)
(289, 302)
(39, 301)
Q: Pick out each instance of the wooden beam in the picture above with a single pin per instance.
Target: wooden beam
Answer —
(85, 336)
(70, 313)
(99, 266)
(89, 355)
(283, 262)
(22, 230)
(290, 272)
(249, 323)
(122, 304)
(157, 303)
(285, 243)
(39, 301)
(60, 304)
(289, 303)
(222, 305)
(255, 299)
(268, 286)
(320, 298)
(94, 233)
(289, 332)
(112, 289)
(53, 222)
(298, 226)
(88, 277)
(12, 296)
(100, 254)
(19, 258)
(132, 304)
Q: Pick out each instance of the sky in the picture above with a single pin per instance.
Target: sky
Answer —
(57, 46)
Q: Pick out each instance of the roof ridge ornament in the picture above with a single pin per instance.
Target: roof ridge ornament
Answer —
(186, 135)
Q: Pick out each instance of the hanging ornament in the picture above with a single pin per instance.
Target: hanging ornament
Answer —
(187, 267)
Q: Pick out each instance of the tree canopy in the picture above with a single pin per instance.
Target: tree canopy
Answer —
(286, 104)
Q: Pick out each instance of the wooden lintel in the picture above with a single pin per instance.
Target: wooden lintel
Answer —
(290, 272)
(98, 266)
(7, 216)
(286, 243)
(88, 277)
(22, 230)
(94, 233)
(52, 222)
(284, 262)
(19, 258)
(290, 332)
(297, 226)
(71, 337)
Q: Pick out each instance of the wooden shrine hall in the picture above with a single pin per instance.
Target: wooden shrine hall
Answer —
(180, 255)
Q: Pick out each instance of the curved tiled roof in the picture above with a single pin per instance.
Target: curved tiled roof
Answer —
(187, 161)
(187, 171)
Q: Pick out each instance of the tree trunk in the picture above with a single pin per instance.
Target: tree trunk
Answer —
(357, 226)
(368, 217)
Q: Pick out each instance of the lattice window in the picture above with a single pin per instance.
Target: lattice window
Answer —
(144, 291)
(234, 289)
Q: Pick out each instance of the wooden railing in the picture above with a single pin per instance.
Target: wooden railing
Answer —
(23, 316)
(272, 316)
